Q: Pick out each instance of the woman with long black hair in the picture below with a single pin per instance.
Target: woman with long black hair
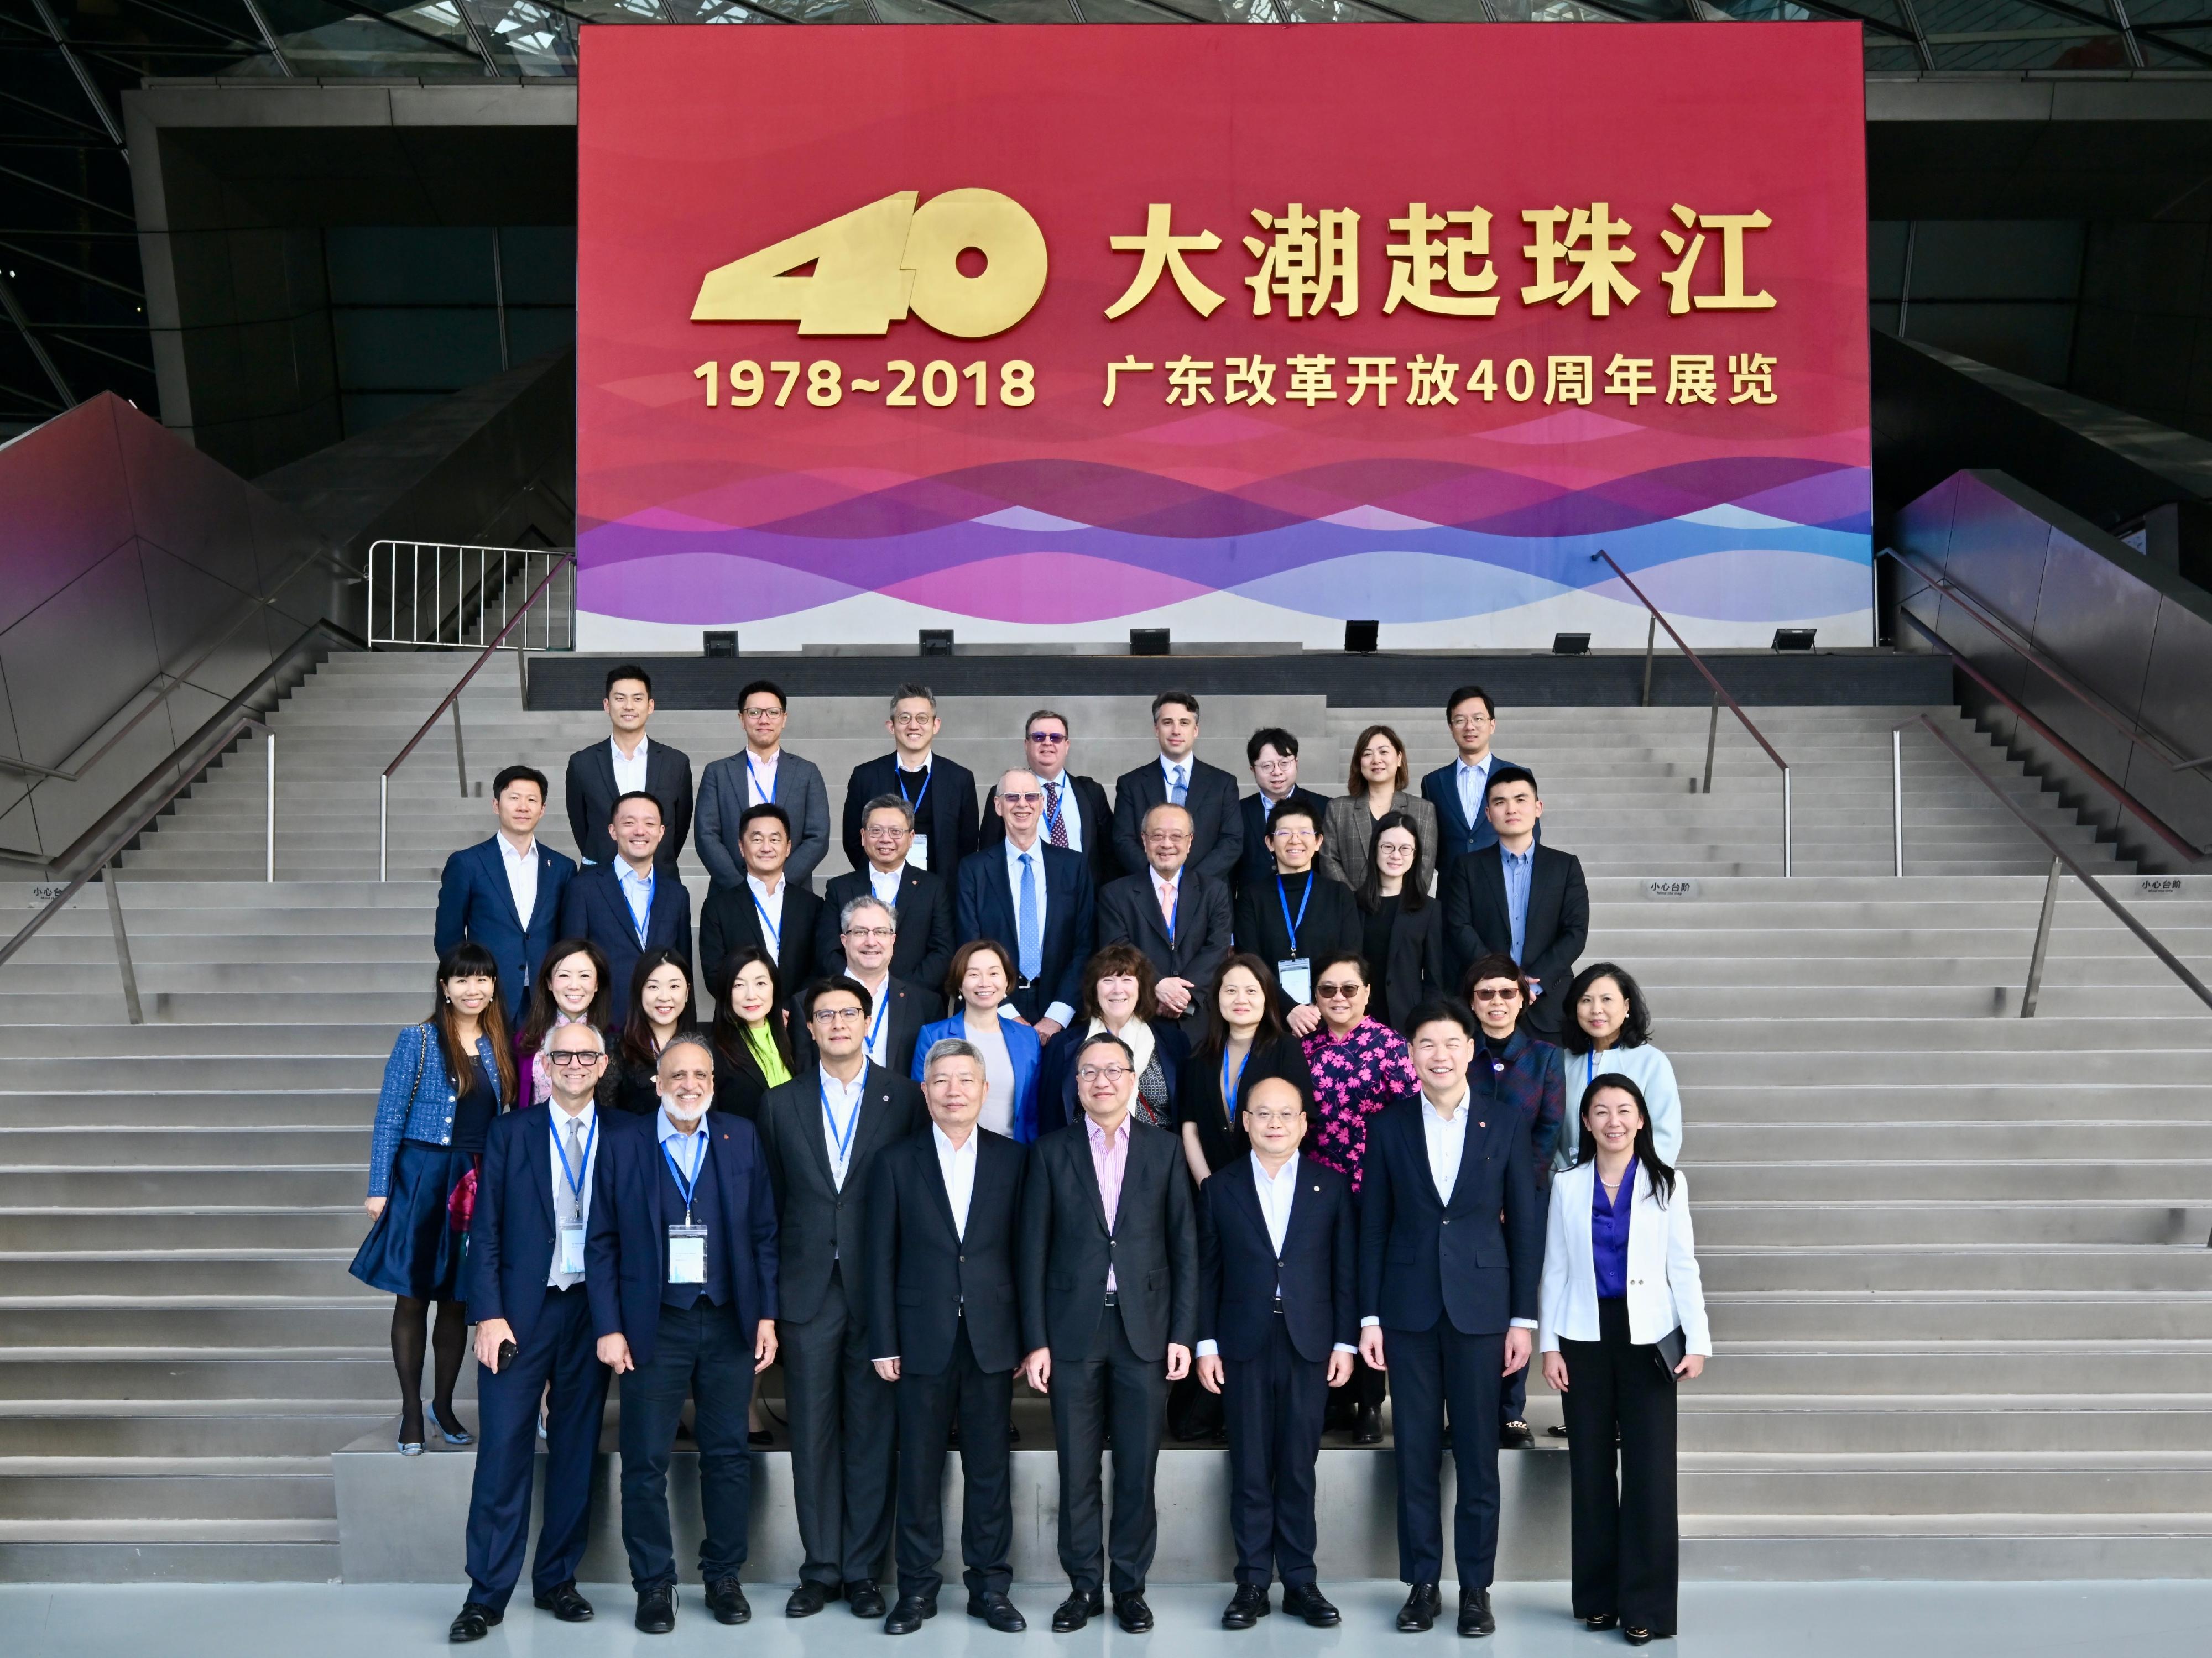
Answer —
(1620, 1316)
(447, 1078)
(1401, 927)
(1246, 1038)
(751, 1033)
(660, 1007)
(572, 988)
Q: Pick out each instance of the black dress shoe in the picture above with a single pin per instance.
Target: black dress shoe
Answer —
(656, 1609)
(1604, 1620)
(1474, 1616)
(1246, 1607)
(1307, 1601)
(1423, 1603)
(1076, 1611)
(908, 1616)
(1368, 1430)
(1131, 1612)
(994, 1609)
(759, 1438)
(1636, 1637)
(725, 1599)
(808, 1599)
(1517, 1436)
(474, 1623)
(865, 1600)
(565, 1603)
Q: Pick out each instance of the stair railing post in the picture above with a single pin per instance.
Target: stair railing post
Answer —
(2034, 990)
(1787, 868)
(383, 823)
(130, 1002)
(1896, 795)
(461, 758)
(1712, 737)
(270, 835)
(1650, 641)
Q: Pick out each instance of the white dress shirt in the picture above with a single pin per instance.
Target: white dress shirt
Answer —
(841, 1118)
(1447, 1142)
(1189, 764)
(886, 887)
(629, 773)
(637, 892)
(760, 778)
(957, 1164)
(879, 1019)
(521, 874)
(771, 907)
(1278, 1192)
(587, 1141)
(1059, 1012)
(1472, 780)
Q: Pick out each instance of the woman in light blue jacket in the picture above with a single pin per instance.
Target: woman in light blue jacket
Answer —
(1609, 1028)
(446, 1079)
(977, 982)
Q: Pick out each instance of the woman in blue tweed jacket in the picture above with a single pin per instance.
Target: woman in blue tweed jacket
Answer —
(446, 1079)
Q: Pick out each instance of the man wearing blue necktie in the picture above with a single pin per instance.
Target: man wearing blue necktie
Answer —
(1035, 901)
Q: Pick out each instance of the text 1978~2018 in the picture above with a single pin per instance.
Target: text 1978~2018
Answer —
(902, 385)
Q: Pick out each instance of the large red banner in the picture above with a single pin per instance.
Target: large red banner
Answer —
(1044, 332)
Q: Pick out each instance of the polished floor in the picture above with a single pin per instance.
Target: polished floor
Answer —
(1719, 1621)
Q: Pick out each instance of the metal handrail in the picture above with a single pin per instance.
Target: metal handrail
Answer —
(1721, 694)
(452, 700)
(1998, 629)
(2062, 858)
(2151, 820)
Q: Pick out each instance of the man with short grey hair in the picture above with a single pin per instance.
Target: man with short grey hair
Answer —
(897, 1010)
(940, 793)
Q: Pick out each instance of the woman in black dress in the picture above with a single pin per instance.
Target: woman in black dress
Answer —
(446, 1079)
(660, 1007)
(1402, 926)
(751, 1033)
(1246, 1039)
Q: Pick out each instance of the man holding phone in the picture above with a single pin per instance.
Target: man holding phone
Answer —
(526, 1284)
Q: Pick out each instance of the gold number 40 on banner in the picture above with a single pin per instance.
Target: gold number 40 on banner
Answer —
(875, 263)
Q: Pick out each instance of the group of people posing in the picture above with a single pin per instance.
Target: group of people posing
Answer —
(959, 1119)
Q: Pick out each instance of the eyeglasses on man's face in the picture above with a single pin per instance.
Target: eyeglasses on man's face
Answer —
(1280, 1117)
(837, 1015)
(1048, 739)
(870, 932)
(577, 1058)
(1110, 1073)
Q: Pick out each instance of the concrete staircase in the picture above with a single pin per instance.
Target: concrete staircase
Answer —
(1956, 1259)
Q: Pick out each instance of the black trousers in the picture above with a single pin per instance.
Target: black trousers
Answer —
(1275, 1403)
(1627, 1537)
(981, 1402)
(699, 1351)
(1114, 1387)
(1429, 1369)
(844, 1440)
(560, 1353)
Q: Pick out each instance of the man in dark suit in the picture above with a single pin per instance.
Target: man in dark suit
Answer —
(1296, 917)
(525, 1286)
(946, 1331)
(1519, 897)
(631, 905)
(1178, 777)
(628, 762)
(1278, 1313)
(1108, 1275)
(1272, 755)
(680, 1267)
(896, 1009)
(767, 908)
(1076, 815)
(822, 1131)
(1179, 918)
(940, 793)
(1451, 1252)
(919, 899)
(504, 892)
(1045, 917)
(762, 772)
(1459, 790)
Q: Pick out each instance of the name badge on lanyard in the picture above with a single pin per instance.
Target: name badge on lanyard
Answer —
(919, 855)
(1295, 972)
(572, 1232)
(687, 1242)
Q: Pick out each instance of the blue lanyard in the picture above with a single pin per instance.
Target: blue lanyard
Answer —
(1283, 897)
(644, 927)
(875, 1030)
(1228, 1088)
(768, 793)
(682, 1186)
(575, 1177)
(774, 932)
(928, 774)
(1052, 806)
(843, 1137)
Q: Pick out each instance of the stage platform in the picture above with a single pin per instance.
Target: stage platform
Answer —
(1418, 678)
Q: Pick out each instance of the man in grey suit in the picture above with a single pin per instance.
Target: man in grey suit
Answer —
(1179, 918)
(763, 774)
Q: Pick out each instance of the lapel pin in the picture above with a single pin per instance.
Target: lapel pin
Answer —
(1482, 1125)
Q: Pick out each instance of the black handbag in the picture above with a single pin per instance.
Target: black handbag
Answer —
(1667, 1351)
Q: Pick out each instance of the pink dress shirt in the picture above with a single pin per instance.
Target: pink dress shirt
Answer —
(1108, 1161)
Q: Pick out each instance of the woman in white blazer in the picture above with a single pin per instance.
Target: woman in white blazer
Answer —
(1622, 1314)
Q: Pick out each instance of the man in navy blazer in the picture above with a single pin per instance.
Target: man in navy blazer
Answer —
(526, 1267)
(633, 904)
(940, 793)
(1451, 1254)
(1049, 953)
(1178, 777)
(680, 1266)
(627, 761)
(1457, 791)
(504, 892)
(1278, 1313)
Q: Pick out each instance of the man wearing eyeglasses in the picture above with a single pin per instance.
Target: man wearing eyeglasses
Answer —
(1179, 918)
(920, 900)
(897, 1010)
(1278, 1313)
(763, 774)
(1037, 901)
(1076, 813)
(525, 1264)
(1109, 1265)
(822, 1130)
(1458, 791)
(940, 793)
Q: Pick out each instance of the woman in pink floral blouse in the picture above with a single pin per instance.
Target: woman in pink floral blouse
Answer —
(1359, 1064)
